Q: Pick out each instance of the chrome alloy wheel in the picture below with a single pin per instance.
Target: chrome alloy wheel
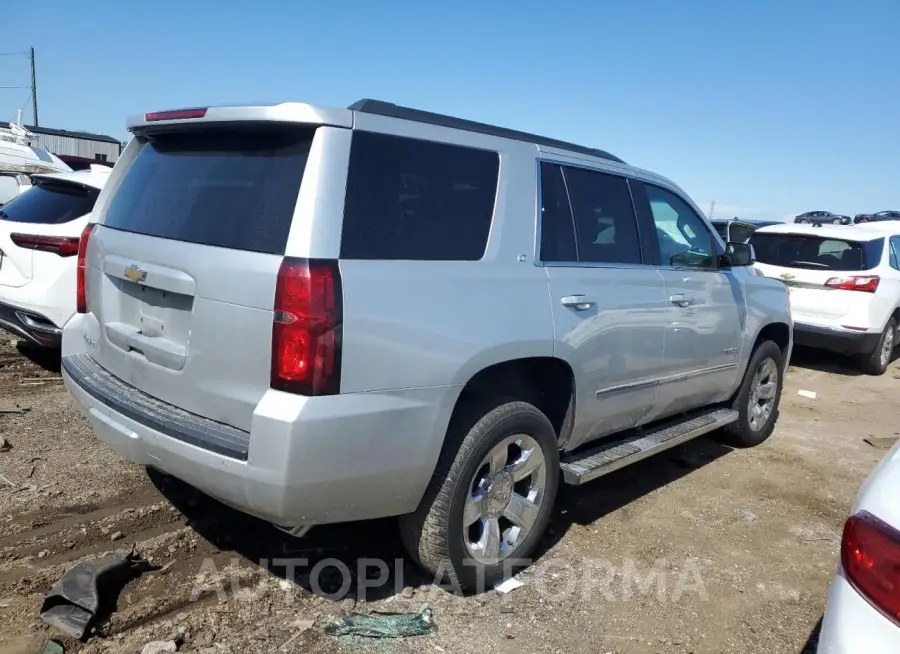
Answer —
(762, 394)
(504, 499)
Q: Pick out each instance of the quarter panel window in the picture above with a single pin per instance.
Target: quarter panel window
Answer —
(417, 200)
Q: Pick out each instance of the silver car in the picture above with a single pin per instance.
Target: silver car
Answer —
(321, 315)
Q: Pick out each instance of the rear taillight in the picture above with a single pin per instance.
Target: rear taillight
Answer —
(306, 332)
(81, 281)
(64, 246)
(177, 114)
(870, 557)
(867, 283)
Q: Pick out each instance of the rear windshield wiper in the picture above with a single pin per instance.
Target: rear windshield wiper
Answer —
(807, 264)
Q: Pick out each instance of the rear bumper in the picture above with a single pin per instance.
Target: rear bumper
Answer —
(305, 461)
(835, 340)
(30, 324)
(852, 626)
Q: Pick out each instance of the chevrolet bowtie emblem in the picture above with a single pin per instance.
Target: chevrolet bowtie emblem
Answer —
(135, 274)
(787, 276)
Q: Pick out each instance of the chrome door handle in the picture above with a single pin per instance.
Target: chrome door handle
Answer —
(681, 300)
(577, 302)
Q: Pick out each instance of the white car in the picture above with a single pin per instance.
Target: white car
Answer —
(863, 611)
(844, 283)
(39, 235)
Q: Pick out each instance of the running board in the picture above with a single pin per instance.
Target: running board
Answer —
(581, 467)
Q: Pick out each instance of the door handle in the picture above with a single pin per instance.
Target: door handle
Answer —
(577, 302)
(681, 300)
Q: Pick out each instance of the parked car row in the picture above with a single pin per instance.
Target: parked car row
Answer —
(826, 217)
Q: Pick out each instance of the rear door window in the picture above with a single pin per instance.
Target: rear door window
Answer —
(605, 222)
(230, 187)
(558, 243)
(417, 200)
(816, 252)
(50, 202)
(740, 232)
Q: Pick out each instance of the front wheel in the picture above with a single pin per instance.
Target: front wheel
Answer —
(877, 361)
(490, 499)
(758, 397)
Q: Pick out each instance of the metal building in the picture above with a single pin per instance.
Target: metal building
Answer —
(63, 142)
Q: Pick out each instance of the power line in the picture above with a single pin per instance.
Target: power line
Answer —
(11, 54)
(15, 87)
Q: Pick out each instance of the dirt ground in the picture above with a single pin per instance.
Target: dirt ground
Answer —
(702, 549)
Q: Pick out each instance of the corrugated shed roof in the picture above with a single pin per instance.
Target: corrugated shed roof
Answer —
(64, 132)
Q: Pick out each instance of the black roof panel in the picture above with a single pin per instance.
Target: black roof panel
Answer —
(380, 108)
(64, 132)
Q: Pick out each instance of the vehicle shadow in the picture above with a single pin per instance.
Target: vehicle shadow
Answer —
(47, 358)
(352, 549)
(812, 643)
(822, 361)
(585, 505)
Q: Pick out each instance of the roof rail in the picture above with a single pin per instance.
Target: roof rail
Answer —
(380, 108)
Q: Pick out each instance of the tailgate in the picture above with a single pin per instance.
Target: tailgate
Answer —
(47, 209)
(807, 262)
(182, 268)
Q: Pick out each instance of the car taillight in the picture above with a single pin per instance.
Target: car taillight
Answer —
(306, 328)
(177, 114)
(867, 283)
(870, 557)
(64, 246)
(81, 282)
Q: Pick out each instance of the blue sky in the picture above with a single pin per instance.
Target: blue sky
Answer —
(769, 107)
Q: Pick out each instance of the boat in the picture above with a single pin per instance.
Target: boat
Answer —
(19, 155)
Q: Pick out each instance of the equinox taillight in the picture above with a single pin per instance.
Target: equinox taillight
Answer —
(865, 283)
(81, 274)
(63, 246)
(307, 326)
(870, 557)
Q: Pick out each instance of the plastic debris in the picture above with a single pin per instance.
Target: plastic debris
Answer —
(383, 625)
(160, 647)
(76, 598)
(52, 647)
(508, 585)
(810, 394)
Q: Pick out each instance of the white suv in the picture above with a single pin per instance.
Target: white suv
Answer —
(39, 235)
(844, 283)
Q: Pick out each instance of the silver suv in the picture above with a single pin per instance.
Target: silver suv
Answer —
(322, 315)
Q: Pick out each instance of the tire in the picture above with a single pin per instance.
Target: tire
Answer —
(435, 535)
(745, 432)
(877, 361)
(837, 221)
(803, 221)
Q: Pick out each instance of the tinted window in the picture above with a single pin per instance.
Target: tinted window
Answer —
(231, 188)
(50, 203)
(684, 239)
(740, 232)
(722, 228)
(417, 200)
(895, 252)
(557, 225)
(605, 223)
(815, 252)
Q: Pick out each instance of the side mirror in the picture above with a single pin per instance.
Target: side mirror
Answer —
(739, 254)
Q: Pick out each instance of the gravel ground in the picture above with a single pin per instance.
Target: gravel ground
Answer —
(702, 549)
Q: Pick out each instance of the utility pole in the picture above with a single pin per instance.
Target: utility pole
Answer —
(34, 90)
(712, 205)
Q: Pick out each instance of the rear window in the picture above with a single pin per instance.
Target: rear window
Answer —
(233, 188)
(816, 252)
(722, 229)
(50, 202)
(417, 200)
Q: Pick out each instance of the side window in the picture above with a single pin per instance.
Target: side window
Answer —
(895, 252)
(605, 224)
(684, 239)
(417, 200)
(557, 224)
(740, 232)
